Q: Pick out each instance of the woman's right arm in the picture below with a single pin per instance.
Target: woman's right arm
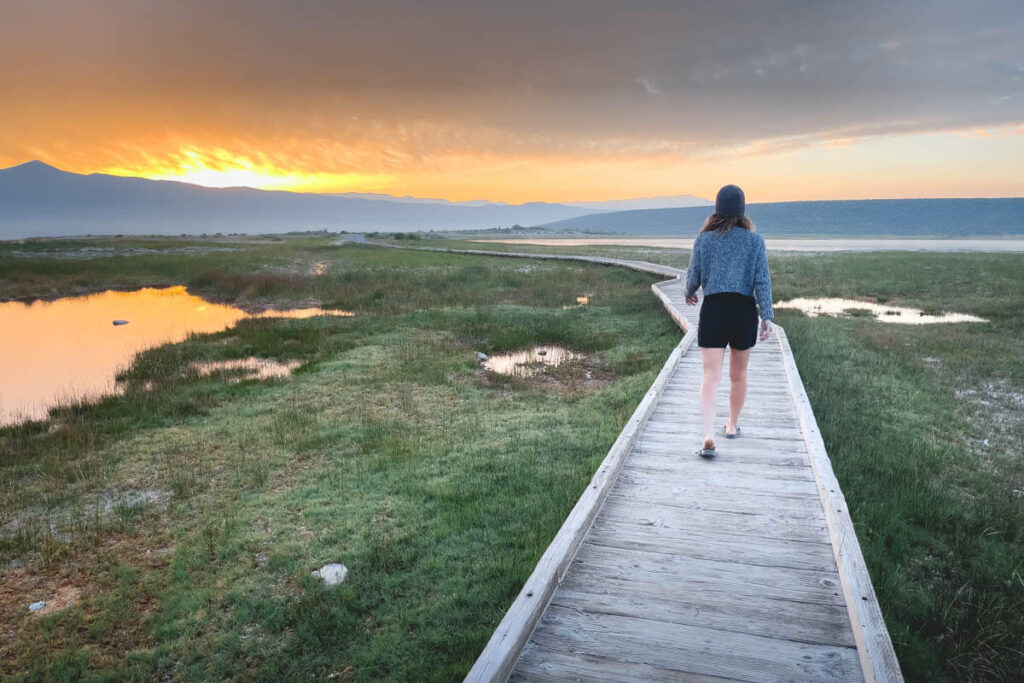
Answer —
(693, 270)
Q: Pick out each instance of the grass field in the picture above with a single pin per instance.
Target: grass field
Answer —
(439, 488)
(183, 520)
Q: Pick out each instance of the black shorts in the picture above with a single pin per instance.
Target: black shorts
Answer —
(727, 319)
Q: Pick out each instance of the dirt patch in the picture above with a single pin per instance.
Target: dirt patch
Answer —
(64, 597)
(580, 372)
(997, 413)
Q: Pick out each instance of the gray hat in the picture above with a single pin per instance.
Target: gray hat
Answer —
(730, 202)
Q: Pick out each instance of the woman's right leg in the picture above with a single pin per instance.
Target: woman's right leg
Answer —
(709, 390)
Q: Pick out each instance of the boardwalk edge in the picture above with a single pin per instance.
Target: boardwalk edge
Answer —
(874, 646)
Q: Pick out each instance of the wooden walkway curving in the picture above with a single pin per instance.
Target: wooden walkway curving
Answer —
(671, 567)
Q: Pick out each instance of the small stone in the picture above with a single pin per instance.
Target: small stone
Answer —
(331, 574)
(481, 356)
(36, 606)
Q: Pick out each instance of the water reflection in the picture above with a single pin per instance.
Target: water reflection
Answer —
(69, 349)
(529, 362)
(890, 314)
(252, 368)
(580, 301)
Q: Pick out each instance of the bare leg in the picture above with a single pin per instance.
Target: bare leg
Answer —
(708, 388)
(738, 361)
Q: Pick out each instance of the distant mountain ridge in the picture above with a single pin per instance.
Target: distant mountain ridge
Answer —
(37, 199)
(867, 217)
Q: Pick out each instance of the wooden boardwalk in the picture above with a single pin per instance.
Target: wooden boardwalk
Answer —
(671, 567)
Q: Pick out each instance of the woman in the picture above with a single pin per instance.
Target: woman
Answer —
(729, 262)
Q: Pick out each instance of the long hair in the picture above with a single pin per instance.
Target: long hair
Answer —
(724, 223)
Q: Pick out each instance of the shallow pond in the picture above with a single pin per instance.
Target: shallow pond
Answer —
(890, 314)
(72, 348)
(528, 362)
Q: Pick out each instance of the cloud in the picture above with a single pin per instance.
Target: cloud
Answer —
(648, 85)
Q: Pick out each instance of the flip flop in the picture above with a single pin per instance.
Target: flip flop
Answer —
(707, 452)
(734, 435)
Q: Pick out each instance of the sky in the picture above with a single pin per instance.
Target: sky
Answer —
(581, 100)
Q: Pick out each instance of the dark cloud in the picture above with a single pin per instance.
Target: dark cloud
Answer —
(630, 75)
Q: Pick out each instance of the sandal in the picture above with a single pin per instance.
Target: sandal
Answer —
(705, 452)
(734, 435)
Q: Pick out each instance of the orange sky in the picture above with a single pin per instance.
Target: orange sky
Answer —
(525, 101)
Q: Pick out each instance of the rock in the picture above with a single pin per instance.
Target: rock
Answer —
(331, 574)
(542, 353)
(481, 356)
(36, 606)
(118, 323)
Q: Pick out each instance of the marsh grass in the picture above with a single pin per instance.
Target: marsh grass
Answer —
(385, 450)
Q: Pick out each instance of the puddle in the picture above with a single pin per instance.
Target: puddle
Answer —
(71, 350)
(889, 314)
(529, 362)
(254, 368)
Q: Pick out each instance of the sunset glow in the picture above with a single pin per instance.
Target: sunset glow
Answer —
(218, 167)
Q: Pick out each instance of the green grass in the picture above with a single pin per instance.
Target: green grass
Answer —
(190, 514)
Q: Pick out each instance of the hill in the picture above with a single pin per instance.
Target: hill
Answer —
(37, 199)
(891, 217)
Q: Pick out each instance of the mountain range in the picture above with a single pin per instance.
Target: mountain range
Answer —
(37, 199)
(849, 217)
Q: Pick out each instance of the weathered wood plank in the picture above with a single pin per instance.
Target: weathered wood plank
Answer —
(702, 497)
(558, 665)
(814, 623)
(757, 551)
(695, 466)
(724, 481)
(650, 570)
(693, 649)
(762, 525)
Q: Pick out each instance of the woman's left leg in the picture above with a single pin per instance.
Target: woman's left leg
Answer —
(738, 361)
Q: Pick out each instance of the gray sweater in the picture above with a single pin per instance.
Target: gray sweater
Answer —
(734, 261)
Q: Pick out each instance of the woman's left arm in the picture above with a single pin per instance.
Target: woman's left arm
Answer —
(763, 284)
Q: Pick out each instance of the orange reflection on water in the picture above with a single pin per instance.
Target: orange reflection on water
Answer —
(70, 349)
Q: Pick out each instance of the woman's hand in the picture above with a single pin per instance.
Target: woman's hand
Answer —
(766, 329)
(692, 300)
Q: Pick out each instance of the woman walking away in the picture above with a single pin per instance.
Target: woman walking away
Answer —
(730, 263)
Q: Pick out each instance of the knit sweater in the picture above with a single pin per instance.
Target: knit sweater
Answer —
(734, 261)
